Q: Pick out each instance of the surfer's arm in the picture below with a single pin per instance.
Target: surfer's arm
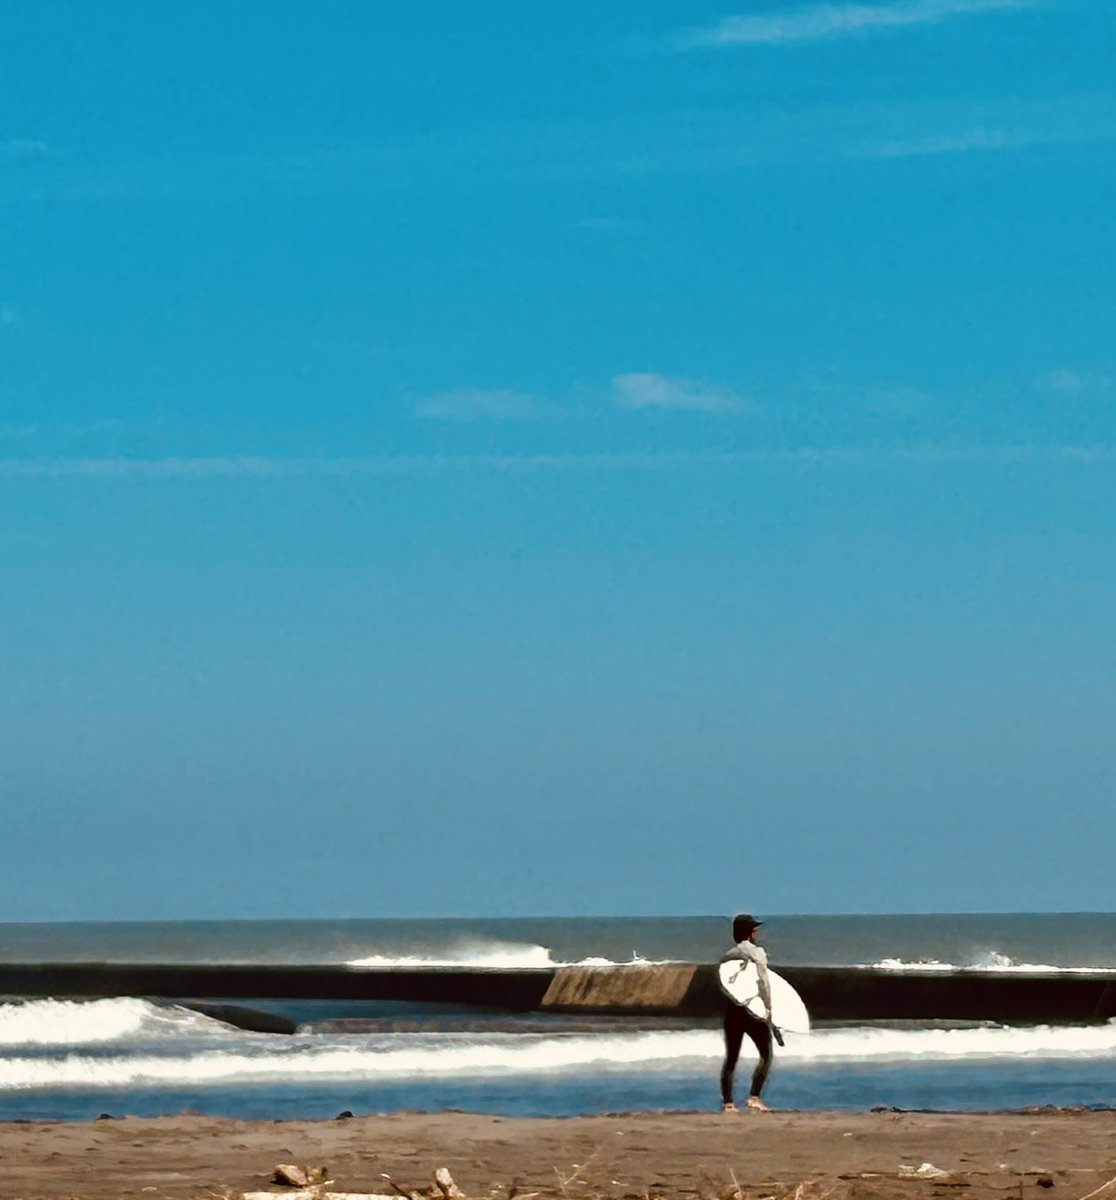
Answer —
(760, 956)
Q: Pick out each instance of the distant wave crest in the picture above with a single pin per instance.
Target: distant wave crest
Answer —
(506, 955)
(497, 955)
(988, 960)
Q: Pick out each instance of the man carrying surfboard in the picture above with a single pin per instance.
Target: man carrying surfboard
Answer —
(746, 959)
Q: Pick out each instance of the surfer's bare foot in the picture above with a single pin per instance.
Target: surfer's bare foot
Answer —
(730, 1107)
(757, 1105)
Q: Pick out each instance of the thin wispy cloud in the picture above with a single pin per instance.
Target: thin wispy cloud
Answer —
(17, 432)
(23, 149)
(724, 140)
(65, 430)
(1064, 380)
(646, 390)
(1069, 381)
(821, 22)
(480, 404)
(249, 467)
(975, 140)
(543, 154)
(621, 225)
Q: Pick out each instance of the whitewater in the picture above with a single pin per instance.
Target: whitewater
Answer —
(142, 1050)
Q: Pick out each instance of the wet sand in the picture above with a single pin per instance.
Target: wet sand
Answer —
(637, 1156)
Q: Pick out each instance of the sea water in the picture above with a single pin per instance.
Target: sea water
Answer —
(73, 1060)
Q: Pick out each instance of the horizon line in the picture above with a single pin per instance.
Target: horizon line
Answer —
(249, 466)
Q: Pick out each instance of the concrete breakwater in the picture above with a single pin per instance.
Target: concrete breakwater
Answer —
(847, 993)
(676, 989)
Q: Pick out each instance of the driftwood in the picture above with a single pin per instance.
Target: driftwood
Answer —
(312, 1182)
(315, 1193)
(299, 1177)
(444, 1182)
(445, 1188)
(1104, 1187)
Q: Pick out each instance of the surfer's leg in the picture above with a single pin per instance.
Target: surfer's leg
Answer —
(760, 1033)
(734, 1035)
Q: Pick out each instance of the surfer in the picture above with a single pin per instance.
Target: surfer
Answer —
(739, 1021)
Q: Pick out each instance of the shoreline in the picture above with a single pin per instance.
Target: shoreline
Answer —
(1065, 1152)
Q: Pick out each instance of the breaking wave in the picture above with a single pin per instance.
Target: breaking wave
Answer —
(265, 1059)
(506, 955)
(499, 955)
(496, 955)
(94, 1022)
(990, 960)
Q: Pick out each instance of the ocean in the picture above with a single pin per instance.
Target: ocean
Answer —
(75, 1060)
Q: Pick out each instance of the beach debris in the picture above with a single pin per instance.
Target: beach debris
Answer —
(926, 1171)
(444, 1182)
(314, 1193)
(311, 1183)
(806, 1190)
(1105, 1188)
(575, 1176)
(292, 1175)
(401, 1191)
(515, 1190)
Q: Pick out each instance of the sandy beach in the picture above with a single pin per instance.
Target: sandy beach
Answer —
(1058, 1152)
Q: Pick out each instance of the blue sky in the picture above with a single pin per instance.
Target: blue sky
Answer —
(556, 458)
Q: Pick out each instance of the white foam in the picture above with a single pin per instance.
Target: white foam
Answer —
(500, 955)
(447, 1056)
(989, 960)
(94, 1022)
(989, 1042)
(898, 964)
(468, 954)
(457, 1055)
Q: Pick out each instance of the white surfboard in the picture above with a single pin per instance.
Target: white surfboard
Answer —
(740, 982)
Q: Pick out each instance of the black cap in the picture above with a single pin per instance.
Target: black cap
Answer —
(744, 921)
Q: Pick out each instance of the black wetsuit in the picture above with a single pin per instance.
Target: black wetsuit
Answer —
(739, 1021)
